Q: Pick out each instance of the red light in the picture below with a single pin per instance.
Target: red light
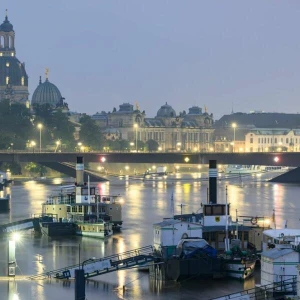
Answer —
(276, 159)
(103, 159)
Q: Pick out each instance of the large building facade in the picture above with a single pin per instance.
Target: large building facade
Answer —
(13, 76)
(190, 131)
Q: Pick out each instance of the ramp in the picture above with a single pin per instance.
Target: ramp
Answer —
(99, 266)
(31, 223)
(69, 169)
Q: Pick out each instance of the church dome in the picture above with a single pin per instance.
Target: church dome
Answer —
(11, 67)
(46, 92)
(6, 26)
(166, 111)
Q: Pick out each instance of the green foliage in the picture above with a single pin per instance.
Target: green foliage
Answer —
(152, 145)
(56, 126)
(116, 145)
(35, 169)
(14, 167)
(15, 125)
(90, 134)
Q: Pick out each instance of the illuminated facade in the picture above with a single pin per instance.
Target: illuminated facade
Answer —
(190, 131)
(266, 140)
(13, 77)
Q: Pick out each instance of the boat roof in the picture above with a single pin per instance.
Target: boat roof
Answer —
(222, 228)
(170, 222)
(277, 252)
(279, 233)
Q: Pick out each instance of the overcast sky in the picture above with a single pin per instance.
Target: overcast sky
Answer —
(211, 53)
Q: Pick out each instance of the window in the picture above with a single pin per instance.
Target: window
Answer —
(251, 140)
(275, 140)
(7, 80)
(287, 140)
(80, 208)
(259, 140)
(22, 80)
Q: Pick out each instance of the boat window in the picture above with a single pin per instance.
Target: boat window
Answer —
(74, 208)
(68, 208)
(84, 191)
(80, 208)
(208, 210)
(92, 191)
(218, 210)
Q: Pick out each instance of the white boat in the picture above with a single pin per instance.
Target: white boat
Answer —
(242, 169)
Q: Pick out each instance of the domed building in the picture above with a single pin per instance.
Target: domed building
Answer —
(13, 76)
(46, 93)
(166, 111)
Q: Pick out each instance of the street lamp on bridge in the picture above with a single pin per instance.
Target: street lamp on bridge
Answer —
(234, 126)
(136, 126)
(40, 126)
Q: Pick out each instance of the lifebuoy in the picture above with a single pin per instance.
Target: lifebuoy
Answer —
(254, 221)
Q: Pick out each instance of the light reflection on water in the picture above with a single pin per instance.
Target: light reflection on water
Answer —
(146, 202)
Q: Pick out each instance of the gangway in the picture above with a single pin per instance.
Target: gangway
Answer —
(99, 266)
(25, 224)
(276, 290)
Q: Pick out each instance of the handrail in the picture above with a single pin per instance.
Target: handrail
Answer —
(146, 250)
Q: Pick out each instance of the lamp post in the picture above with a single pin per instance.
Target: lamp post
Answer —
(233, 125)
(79, 146)
(57, 145)
(32, 144)
(12, 147)
(12, 254)
(136, 136)
(40, 126)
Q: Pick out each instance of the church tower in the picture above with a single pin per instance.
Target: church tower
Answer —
(13, 77)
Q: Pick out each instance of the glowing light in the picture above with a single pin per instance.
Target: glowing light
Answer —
(103, 159)
(276, 159)
(159, 149)
(199, 167)
(186, 159)
(16, 236)
(126, 167)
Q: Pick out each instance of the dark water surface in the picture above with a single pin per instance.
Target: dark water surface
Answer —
(145, 203)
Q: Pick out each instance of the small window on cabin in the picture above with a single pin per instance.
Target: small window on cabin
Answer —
(217, 210)
(80, 208)
(68, 208)
(208, 210)
(92, 191)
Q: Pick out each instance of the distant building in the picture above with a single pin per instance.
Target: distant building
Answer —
(13, 76)
(190, 131)
(277, 139)
(256, 132)
(47, 93)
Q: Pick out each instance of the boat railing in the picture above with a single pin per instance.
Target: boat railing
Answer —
(61, 199)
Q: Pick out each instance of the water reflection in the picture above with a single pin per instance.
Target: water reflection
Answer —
(145, 203)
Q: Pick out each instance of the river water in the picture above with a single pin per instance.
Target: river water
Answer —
(145, 203)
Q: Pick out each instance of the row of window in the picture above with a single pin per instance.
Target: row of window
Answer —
(279, 140)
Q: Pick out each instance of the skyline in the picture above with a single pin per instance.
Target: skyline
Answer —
(210, 54)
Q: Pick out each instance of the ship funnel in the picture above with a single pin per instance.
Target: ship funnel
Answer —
(79, 170)
(213, 174)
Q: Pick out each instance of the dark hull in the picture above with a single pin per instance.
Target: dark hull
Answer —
(4, 205)
(177, 269)
(58, 229)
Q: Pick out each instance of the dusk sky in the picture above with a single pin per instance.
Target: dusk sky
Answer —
(217, 54)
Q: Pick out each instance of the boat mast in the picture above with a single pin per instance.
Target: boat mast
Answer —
(237, 224)
(226, 224)
(89, 196)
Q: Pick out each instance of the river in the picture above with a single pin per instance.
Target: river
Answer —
(145, 203)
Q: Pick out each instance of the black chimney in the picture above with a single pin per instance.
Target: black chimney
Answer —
(213, 174)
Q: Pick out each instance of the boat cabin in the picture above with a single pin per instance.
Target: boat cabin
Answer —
(168, 233)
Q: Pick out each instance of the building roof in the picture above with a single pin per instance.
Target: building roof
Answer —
(259, 120)
(11, 67)
(195, 110)
(276, 252)
(46, 92)
(6, 26)
(166, 111)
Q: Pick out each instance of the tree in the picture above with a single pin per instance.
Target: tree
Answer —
(15, 125)
(35, 169)
(90, 133)
(152, 145)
